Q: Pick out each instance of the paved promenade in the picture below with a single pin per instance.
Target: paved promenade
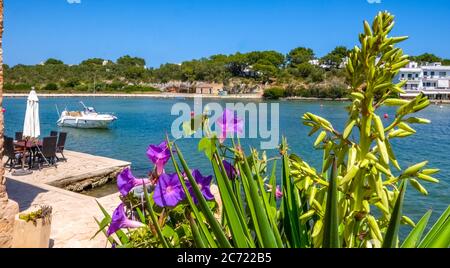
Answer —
(73, 222)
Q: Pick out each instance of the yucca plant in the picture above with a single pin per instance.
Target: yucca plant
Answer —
(365, 184)
(354, 200)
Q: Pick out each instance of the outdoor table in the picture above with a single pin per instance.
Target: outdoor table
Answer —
(30, 146)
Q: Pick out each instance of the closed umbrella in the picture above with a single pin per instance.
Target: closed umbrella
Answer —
(31, 126)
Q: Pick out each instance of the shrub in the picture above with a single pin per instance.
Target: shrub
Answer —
(50, 87)
(17, 87)
(138, 88)
(274, 93)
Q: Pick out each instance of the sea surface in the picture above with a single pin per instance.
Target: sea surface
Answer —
(144, 121)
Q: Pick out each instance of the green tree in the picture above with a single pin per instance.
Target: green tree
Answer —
(299, 55)
(237, 64)
(52, 61)
(303, 70)
(265, 58)
(94, 61)
(134, 73)
(131, 61)
(167, 72)
(426, 57)
(335, 57)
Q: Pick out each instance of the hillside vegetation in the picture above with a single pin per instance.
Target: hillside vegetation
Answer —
(298, 73)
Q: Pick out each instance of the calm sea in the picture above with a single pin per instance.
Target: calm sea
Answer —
(144, 121)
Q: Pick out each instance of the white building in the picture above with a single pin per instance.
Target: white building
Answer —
(431, 79)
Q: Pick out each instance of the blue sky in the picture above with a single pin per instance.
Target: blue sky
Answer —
(172, 31)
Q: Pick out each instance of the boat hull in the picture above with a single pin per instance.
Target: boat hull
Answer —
(85, 123)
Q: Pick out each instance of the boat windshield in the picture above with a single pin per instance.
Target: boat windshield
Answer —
(89, 110)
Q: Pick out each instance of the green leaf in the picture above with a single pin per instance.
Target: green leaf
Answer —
(268, 237)
(220, 235)
(110, 239)
(198, 239)
(273, 184)
(204, 231)
(232, 210)
(413, 238)
(141, 216)
(290, 205)
(331, 222)
(391, 237)
(154, 219)
(439, 235)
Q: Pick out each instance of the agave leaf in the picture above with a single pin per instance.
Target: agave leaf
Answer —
(439, 235)
(391, 237)
(413, 238)
(331, 222)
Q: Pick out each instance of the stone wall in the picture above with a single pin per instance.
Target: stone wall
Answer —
(8, 211)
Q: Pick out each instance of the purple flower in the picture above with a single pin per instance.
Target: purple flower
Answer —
(203, 184)
(119, 220)
(278, 193)
(168, 191)
(126, 181)
(159, 155)
(230, 170)
(229, 123)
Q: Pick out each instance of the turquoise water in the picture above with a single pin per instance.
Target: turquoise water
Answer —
(144, 121)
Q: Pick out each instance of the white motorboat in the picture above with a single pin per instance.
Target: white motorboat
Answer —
(88, 118)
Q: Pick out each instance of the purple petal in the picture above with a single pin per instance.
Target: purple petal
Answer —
(206, 191)
(168, 191)
(159, 167)
(203, 183)
(159, 155)
(119, 220)
(278, 193)
(126, 181)
(230, 170)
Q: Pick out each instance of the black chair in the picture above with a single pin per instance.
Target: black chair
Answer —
(53, 133)
(14, 156)
(48, 151)
(61, 143)
(19, 136)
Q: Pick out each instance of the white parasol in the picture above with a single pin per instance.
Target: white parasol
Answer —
(31, 125)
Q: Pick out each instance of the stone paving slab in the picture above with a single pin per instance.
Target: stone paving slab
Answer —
(73, 222)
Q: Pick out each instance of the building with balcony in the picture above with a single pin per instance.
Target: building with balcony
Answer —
(432, 79)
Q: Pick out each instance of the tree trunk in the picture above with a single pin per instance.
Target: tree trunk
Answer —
(8, 208)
